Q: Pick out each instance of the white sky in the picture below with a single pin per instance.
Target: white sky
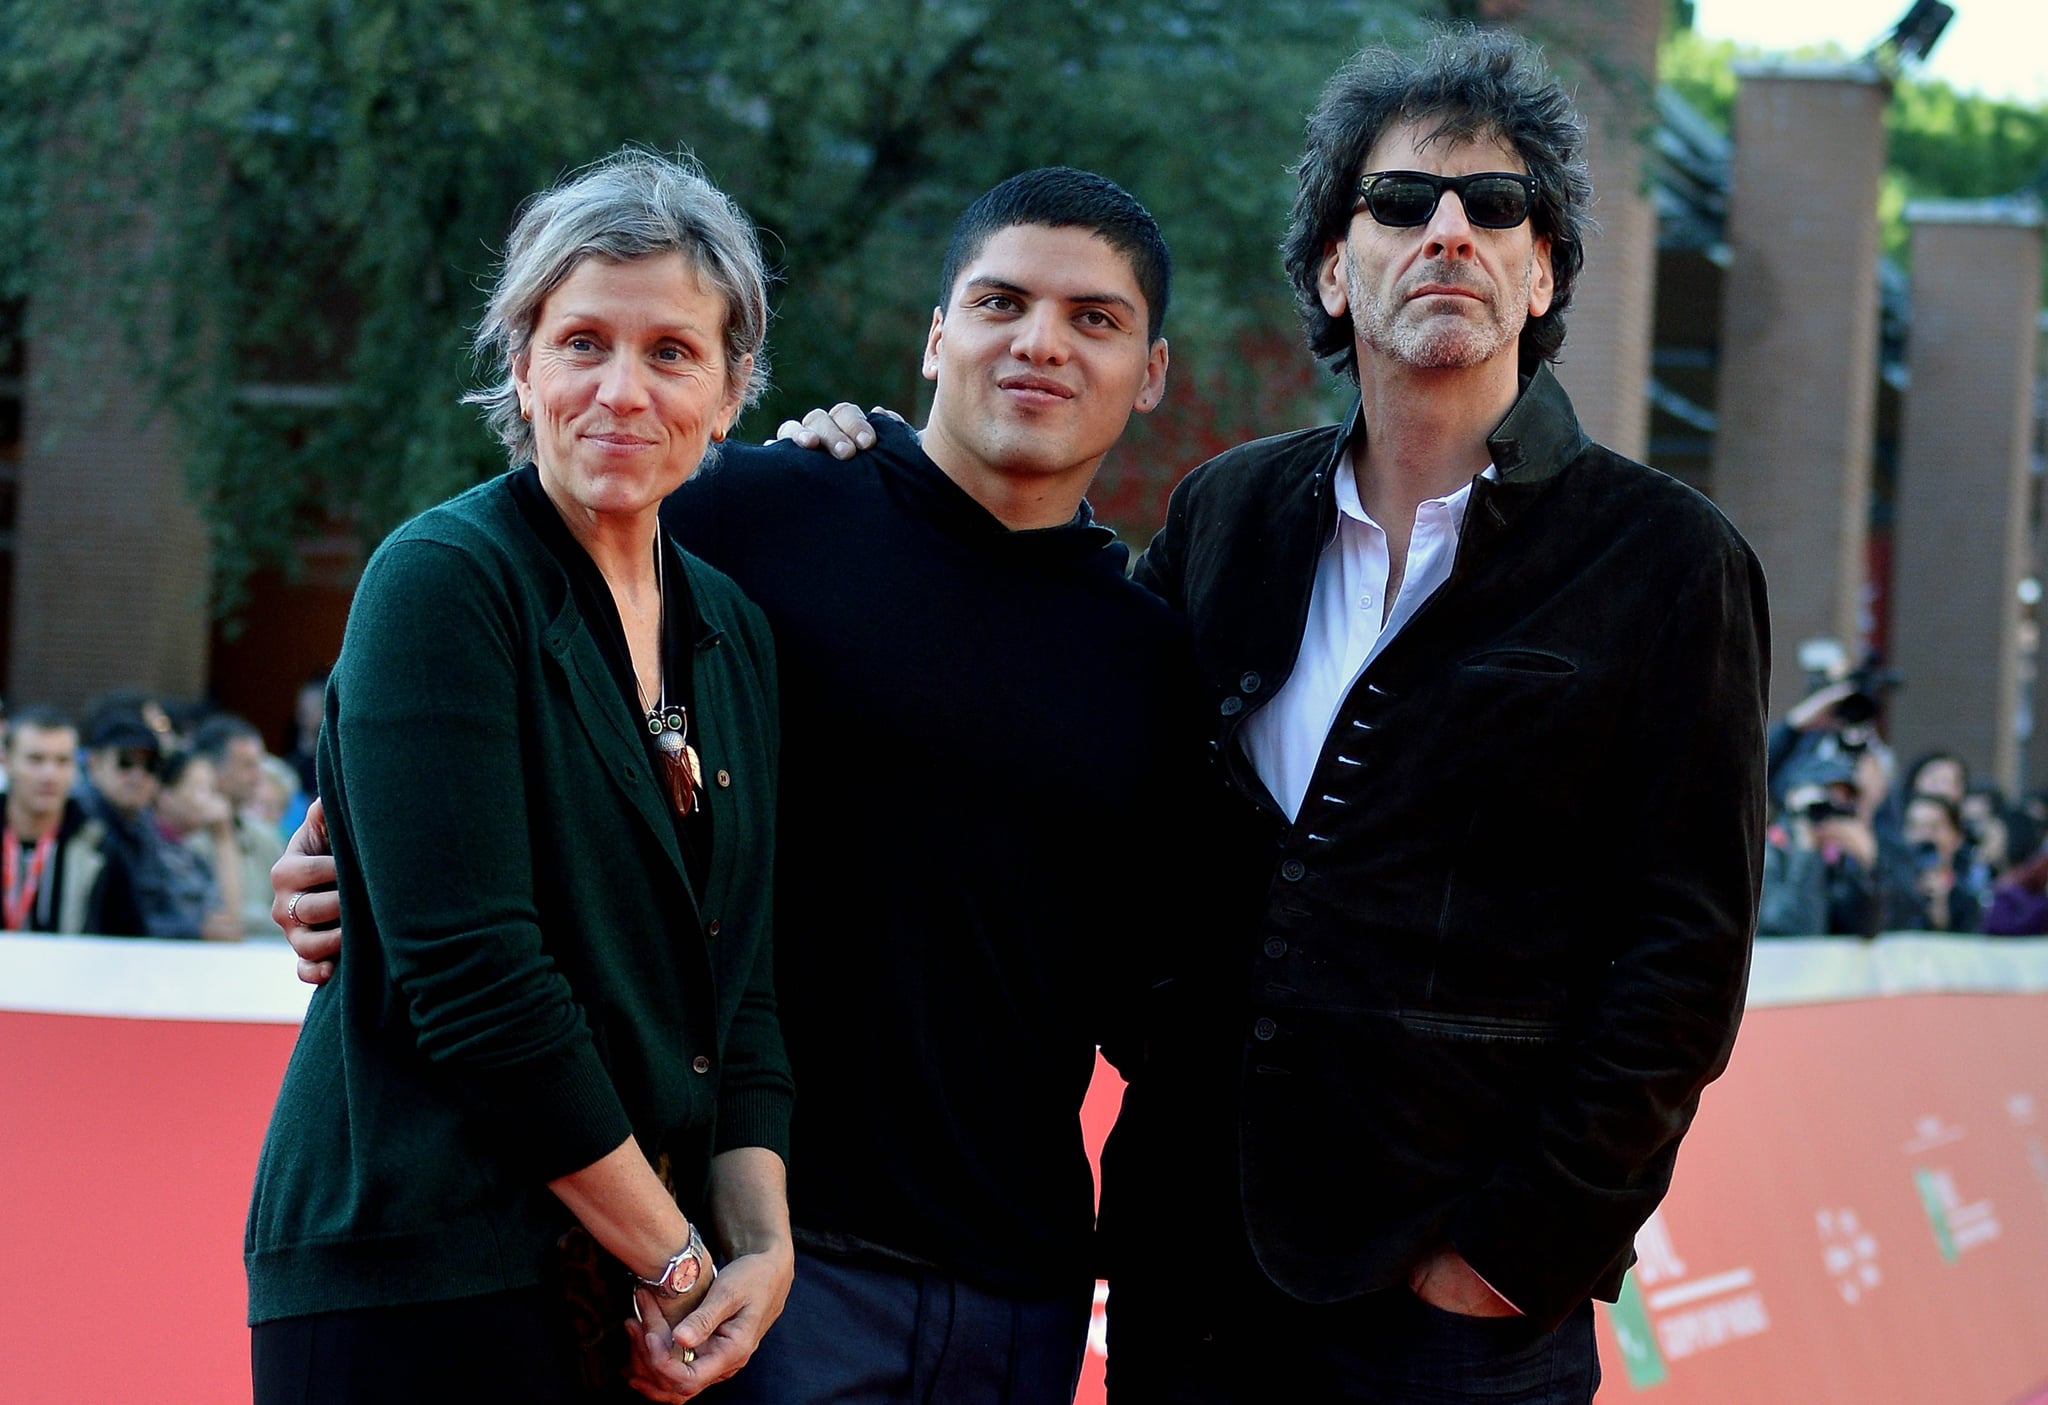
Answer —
(1995, 47)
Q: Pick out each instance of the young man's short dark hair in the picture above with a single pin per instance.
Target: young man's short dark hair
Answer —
(1467, 85)
(1060, 197)
(40, 717)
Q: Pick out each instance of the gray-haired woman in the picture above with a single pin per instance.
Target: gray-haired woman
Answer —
(548, 765)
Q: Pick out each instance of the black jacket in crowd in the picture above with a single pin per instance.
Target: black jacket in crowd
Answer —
(1504, 946)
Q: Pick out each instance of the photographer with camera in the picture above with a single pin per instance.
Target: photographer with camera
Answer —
(1821, 856)
(1947, 900)
(1835, 862)
(1838, 713)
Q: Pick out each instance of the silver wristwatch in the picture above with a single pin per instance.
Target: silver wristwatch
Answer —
(689, 1269)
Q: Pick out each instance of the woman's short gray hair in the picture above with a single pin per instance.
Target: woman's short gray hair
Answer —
(632, 204)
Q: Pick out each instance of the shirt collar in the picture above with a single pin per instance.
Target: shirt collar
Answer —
(1349, 505)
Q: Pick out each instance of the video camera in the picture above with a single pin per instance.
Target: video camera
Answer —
(1869, 684)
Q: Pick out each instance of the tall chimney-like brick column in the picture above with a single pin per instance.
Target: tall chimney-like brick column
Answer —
(2034, 681)
(1606, 53)
(111, 561)
(1962, 532)
(1799, 343)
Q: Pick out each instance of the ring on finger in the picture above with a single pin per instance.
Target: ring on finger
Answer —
(291, 909)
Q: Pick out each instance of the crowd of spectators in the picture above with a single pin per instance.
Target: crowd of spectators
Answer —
(144, 818)
(1859, 845)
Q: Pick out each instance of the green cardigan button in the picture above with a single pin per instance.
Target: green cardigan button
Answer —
(700, 1064)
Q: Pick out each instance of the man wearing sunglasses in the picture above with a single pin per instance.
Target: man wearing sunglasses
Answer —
(1398, 1134)
(122, 758)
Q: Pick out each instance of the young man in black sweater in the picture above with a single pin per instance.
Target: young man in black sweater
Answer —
(981, 792)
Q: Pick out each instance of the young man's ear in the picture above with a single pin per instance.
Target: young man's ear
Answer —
(931, 344)
(1154, 389)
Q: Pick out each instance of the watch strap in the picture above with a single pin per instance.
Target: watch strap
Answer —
(695, 1251)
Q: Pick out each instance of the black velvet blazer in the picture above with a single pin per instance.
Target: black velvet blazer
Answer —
(1505, 944)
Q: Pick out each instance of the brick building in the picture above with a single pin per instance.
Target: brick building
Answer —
(1735, 326)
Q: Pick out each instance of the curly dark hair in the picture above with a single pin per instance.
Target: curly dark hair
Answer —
(1473, 84)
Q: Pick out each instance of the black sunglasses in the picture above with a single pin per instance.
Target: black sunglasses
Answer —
(1404, 199)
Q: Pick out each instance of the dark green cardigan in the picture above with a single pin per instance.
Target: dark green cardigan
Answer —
(529, 974)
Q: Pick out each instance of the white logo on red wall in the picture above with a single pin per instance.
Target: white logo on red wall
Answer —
(2020, 1107)
(1693, 1312)
(1850, 1253)
(1930, 1132)
(1959, 1225)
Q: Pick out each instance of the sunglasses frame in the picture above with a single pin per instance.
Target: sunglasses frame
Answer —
(1457, 185)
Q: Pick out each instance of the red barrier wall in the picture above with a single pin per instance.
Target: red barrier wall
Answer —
(1860, 1215)
(129, 1150)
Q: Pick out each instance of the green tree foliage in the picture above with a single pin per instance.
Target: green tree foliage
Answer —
(302, 197)
(1950, 145)
(1702, 71)
(1940, 144)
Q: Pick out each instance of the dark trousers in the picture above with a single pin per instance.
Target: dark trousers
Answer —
(859, 1334)
(507, 1348)
(1233, 1337)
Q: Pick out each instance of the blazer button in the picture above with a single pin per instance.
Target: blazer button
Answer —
(1292, 870)
(1233, 705)
(711, 927)
(1249, 683)
(724, 778)
(700, 1064)
(1276, 947)
(1265, 1028)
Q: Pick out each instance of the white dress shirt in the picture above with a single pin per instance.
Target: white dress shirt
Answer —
(1349, 623)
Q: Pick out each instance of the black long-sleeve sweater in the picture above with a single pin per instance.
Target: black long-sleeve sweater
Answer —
(979, 795)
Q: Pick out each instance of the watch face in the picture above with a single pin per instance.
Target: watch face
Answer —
(684, 1276)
